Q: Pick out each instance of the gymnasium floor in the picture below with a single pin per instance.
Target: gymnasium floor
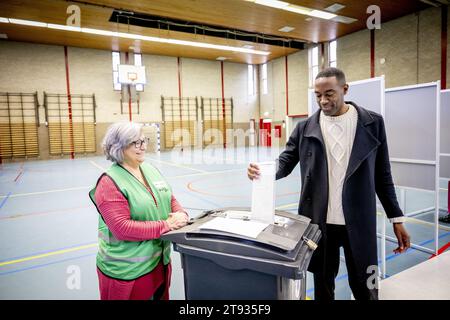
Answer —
(48, 226)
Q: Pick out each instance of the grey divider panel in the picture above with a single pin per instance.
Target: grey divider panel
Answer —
(410, 118)
(366, 93)
(411, 123)
(444, 165)
(413, 175)
(445, 134)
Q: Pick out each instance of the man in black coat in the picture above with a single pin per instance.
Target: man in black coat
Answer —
(344, 163)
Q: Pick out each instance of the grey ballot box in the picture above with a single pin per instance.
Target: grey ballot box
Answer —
(220, 265)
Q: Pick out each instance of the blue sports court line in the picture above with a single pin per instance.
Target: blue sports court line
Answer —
(4, 200)
(15, 181)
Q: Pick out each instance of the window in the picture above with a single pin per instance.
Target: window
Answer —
(138, 62)
(332, 53)
(264, 78)
(313, 64)
(251, 80)
(115, 66)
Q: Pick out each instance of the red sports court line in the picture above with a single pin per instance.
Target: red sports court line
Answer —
(20, 172)
(441, 250)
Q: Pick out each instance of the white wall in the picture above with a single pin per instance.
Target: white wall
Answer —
(274, 101)
(245, 105)
(162, 79)
(298, 82)
(21, 71)
(90, 72)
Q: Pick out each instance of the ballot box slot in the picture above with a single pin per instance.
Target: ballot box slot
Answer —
(241, 241)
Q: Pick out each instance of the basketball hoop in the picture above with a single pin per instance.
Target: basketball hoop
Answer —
(131, 75)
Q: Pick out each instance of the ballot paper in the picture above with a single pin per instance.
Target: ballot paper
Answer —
(263, 193)
(246, 228)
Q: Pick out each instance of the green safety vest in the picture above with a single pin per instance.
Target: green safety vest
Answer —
(128, 260)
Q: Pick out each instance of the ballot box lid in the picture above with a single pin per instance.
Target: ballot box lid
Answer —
(282, 241)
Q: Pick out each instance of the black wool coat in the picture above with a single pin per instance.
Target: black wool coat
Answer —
(368, 174)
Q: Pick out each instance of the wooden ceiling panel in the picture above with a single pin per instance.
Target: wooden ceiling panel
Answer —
(78, 39)
(231, 14)
(246, 15)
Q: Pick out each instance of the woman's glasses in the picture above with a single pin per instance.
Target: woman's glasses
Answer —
(138, 143)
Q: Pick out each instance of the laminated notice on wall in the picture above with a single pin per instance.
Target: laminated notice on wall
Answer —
(263, 193)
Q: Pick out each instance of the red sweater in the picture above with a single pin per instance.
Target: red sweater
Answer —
(115, 211)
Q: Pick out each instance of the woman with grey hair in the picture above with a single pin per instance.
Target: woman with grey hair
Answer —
(136, 207)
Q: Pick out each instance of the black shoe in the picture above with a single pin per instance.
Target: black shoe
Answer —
(445, 219)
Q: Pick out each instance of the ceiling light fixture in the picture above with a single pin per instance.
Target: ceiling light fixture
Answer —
(327, 14)
(28, 22)
(294, 8)
(286, 29)
(334, 7)
(273, 3)
(62, 27)
(132, 36)
(322, 14)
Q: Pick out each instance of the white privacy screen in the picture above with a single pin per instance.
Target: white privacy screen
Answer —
(445, 135)
(411, 127)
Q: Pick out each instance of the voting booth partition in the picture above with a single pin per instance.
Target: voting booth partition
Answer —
(412, 117)
(445, 135)
(444, 160)
(220, 265)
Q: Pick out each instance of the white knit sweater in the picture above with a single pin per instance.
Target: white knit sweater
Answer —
(338, 134)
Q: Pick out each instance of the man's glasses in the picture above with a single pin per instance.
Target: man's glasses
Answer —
(138, 143)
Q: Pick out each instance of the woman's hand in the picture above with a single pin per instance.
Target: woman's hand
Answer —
(177, 220)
